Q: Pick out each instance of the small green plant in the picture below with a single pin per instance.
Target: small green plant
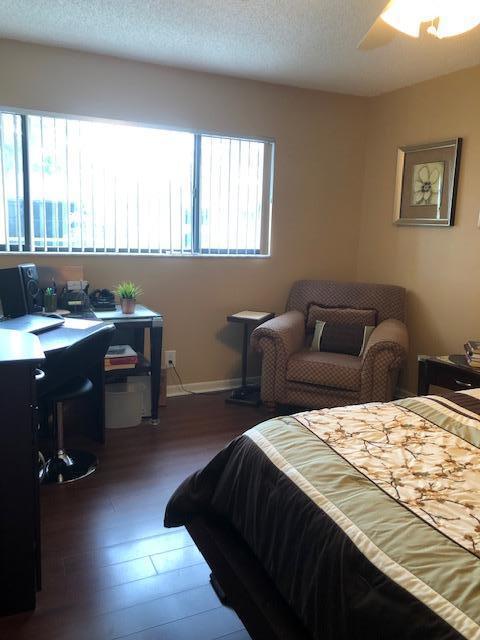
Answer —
(128, 290)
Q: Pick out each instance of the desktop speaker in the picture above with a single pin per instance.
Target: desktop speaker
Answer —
(29, 276)
(19, 290)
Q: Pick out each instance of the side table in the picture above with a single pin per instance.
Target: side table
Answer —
(134, 326)
(247, 394)
(451, 372)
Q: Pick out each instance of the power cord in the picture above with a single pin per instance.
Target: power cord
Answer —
(183, 388)
(172, 366)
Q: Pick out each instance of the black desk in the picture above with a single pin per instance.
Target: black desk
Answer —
(21, 354)
(69, 333)
(131, 330)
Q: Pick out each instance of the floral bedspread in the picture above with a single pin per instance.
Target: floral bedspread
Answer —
(434, 472)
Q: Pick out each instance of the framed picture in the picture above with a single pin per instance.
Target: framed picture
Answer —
(426, 184)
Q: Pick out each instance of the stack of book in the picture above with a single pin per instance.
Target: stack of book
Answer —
(472, 352)
(120, 356)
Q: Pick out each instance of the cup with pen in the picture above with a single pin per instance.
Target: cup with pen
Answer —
(50, 300)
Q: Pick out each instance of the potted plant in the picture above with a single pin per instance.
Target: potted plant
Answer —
(128, 293)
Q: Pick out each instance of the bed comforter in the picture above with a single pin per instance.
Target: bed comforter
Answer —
(367, 518)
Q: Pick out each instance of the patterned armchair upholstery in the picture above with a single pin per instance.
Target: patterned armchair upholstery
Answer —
(292, 374)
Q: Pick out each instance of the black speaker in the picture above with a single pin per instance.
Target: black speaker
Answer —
(29, 275)
(19, 290)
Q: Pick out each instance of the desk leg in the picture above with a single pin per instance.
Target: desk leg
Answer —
(97, 377)
(156, 334)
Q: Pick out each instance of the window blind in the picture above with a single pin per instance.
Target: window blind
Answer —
(102, 187)
(231, 202)
(12, 231)
(109, 188)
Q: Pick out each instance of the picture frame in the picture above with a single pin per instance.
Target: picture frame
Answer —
(426, 184)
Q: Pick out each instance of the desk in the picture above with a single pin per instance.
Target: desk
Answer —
(20, 354)
(72, 331)
(135, 324)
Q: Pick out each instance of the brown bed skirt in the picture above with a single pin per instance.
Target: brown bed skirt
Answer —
(247, 587)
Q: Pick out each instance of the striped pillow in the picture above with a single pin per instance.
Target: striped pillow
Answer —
(350, 339)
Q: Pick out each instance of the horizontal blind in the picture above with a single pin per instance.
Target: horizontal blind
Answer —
(12, 230)
(106, 187)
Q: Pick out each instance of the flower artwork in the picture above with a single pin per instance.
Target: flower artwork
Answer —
(427, 184)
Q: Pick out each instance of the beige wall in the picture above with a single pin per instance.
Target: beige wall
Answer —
(330, 150)
(319, 156)
(439, 267)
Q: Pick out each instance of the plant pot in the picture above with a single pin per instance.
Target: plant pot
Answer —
(127, 305)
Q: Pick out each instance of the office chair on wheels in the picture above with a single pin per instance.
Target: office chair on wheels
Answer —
(58, 387)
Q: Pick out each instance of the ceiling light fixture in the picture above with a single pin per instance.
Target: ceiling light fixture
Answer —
(447, 18)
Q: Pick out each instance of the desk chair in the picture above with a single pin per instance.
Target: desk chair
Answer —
(65, 379)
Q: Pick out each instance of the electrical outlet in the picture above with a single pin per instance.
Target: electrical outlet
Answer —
(170, 359)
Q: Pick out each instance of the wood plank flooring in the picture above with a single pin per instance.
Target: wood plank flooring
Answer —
(110, 568)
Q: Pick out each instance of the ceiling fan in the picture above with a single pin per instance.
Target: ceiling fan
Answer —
(439, 18)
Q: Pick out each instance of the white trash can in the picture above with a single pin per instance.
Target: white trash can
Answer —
(143, 384)
(123, 405)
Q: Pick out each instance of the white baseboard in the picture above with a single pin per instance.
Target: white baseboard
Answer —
(224, 385)
(208, 386)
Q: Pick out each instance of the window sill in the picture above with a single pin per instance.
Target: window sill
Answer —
(98, 254)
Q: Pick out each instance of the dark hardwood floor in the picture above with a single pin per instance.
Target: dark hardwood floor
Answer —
(110, 568)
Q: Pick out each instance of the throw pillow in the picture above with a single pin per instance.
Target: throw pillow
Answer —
(340, 315)
(350, 339)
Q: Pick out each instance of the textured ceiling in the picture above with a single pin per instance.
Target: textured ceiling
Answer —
(306, 43)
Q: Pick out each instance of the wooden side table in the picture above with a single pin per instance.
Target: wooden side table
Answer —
(247, 394)
(451, 372)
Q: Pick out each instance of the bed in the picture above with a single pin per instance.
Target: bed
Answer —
(354, 522)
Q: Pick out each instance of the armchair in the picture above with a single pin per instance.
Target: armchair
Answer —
(292, 374)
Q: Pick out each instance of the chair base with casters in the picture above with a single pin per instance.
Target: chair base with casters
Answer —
(68, 466)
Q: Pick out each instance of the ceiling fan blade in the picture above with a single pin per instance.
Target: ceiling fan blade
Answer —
(379, 34)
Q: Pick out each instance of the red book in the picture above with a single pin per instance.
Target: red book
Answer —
(121, 361)
(112, 367)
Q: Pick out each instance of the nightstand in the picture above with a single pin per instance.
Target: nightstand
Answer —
(451, 372)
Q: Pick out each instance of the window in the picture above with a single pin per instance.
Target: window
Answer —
(233, 195)
(69, 185)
